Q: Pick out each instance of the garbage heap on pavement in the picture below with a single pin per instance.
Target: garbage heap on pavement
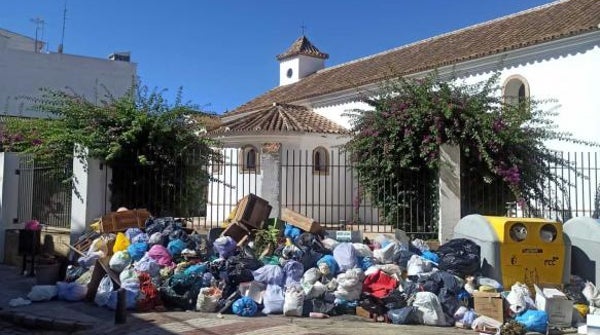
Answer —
(164, 265)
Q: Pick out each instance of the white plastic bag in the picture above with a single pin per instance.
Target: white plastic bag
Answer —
(429, 304)
(362, 250)
(417, 265)
(273, 300)
(329, 243)
(104, 290)
(71, 291)
(519, 298)
(119, 261)
(208, 299)
(349, 284)
(385, 255)
(128, 274)
(293, 302)
(42, 292)
(592, 294)
(486, 324)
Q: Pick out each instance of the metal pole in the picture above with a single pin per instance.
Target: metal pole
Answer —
(120, 311)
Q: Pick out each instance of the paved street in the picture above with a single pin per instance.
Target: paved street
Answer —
(99, 320)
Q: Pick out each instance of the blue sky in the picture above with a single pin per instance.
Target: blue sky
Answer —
(223, 52)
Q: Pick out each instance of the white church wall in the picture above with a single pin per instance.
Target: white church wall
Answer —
(229, 185)
(565, 75)
(571, 82)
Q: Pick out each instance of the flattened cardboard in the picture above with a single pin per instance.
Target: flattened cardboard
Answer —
(490, 304)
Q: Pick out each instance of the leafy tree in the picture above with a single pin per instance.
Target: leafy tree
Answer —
(152, 145)
(502, 144)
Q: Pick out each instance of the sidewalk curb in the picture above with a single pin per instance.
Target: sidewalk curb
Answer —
(41, 322)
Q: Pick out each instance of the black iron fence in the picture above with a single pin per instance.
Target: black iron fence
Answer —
(176, 189)
(337, 196)
(334, 194)
(578, 195)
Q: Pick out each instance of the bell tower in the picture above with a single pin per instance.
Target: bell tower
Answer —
(301, 59)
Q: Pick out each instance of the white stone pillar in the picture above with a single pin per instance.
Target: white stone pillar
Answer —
(270, 164)
(91, 196)
(9, 188)
(449, 191)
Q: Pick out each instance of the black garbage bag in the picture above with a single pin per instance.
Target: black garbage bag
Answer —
(155, 225)
(428, 283)
(460, 257)
(394, 300)
(403, 257)
(201, 245)
(312, 242)
(320, 306)
(447, 280)
(574, 293)
(181, 291)
(244, 259)
(405, 316)
(309, 257)
(410, 288)
(372, 304)
(449, 302)
(438, 280)
(236, 272)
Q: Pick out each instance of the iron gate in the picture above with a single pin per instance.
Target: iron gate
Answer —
(44, 193)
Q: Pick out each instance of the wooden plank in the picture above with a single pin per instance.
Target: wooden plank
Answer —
(101, 268)
(121, 221)
(298, 220)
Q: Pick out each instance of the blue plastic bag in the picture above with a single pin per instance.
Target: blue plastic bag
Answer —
(430, 256)
(196, 269)
(175, 247)
(244, 306)
(269, 275)
(291, 231)
(329, 263)
(345, 256)
(533, 320)
(293, 272)
(137, 250)
(224, 246)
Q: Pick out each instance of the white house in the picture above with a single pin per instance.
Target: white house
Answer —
(26, 69)
(551, 51)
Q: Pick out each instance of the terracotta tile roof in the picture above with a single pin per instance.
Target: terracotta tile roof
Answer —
(535, 26)
(302, 46)
(280, 118)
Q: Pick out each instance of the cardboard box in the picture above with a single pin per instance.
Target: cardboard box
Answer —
(593, 324)
(371, 316)
(555, 303)
(298, 220)
(238, 232)
(490, 304)
(252, 211)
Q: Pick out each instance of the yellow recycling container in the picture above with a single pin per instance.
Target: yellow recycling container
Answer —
(526, 250)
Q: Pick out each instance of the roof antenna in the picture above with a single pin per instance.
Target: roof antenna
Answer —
(303, 28)
(39, 32)
(62, 37)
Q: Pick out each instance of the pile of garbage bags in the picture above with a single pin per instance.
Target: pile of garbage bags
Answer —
(401, 282)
